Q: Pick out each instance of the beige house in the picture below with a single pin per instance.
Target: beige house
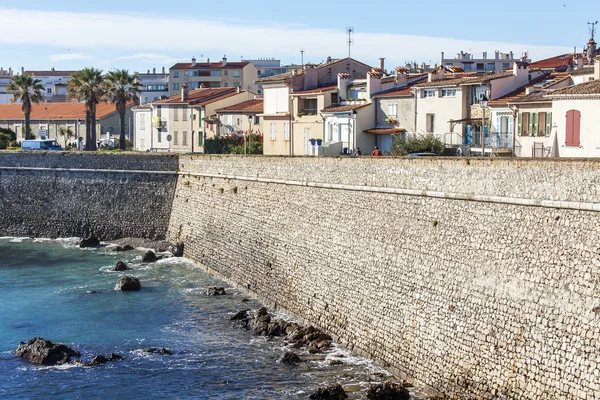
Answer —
(241, 118)
(181, 123)
(211, 75)
(48, 118)
(281, 134)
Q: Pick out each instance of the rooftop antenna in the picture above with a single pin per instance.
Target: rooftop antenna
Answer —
(350, 32)
(593, 28)
(302, 56)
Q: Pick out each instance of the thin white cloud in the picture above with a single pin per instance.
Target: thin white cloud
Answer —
(69, 57)
(152, 58)
(94, 32)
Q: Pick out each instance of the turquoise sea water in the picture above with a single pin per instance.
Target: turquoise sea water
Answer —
(54, 290)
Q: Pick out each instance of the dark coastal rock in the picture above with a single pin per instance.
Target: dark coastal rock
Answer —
(91, 241)
(335, 362)
(240, 316)
(388, 391)
(42, 351)
(290, 358)
(334, 392)
(149, 256)
(176, 249)
(120, 266)
(159, 350)
(215, 291)
(100, 359)
(126, 247)
(128, 283)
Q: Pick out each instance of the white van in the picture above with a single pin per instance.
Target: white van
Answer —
(40, 144)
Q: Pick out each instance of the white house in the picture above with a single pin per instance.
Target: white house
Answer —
(154, 85)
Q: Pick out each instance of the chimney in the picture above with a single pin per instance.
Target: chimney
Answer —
(22, 70)
(148, 72)
(193, 61)
(512, 56)
(373, 83)
(485, 55)
(401, 76)
(597, 68)
(163, 70)
(343, 79)
(436, 74)
(224, 61)
(183, 92)
(208, 61)
(382, 64)
(528, 90)
(154, 70)
(239, 89)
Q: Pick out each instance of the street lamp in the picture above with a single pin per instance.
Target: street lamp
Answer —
(249, 130)
(483, 103)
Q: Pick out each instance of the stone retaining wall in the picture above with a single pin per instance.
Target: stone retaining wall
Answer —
(74, 194)
(491, 300)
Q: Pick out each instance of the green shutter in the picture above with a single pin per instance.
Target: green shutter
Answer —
(532, 118)
(548, 123)
(520, 125)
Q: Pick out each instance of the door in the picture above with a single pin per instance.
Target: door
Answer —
(344, 130)
(307, 146)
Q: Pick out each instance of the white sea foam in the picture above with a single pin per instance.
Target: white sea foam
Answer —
(18, 239)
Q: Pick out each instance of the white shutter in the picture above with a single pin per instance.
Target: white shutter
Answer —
(390, 109)
(286, 131)
(273, 131)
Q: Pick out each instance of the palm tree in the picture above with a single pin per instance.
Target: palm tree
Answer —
(27, 89)
(88, 85)
(67, 133)
(122, 89)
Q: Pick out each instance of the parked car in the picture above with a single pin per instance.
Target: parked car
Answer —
(40, 144)
(422, 155)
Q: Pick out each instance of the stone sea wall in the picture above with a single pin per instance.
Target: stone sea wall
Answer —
(477, 277)
(52, 194)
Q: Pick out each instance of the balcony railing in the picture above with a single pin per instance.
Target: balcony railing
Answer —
(496, 140)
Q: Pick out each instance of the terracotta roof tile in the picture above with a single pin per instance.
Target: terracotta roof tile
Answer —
(401, 91)
(316, 90)
(553, 62)
(279, 78)
(582, 71)
(250, 106)
(539, 96)
(197, 96)
(54, 111)
(384, 131)
(582, 89)
(339, 108)
(212, 65)
(522, 90)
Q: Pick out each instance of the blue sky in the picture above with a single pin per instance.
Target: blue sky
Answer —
(140, 35)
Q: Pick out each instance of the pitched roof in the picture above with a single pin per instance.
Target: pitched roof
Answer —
(335, 61)
(539, 96)
(198, 96)
(582, 89)
(400, 91)
(54, 111)
(339, 108)
(211, 65)
(488, 77)
(50, 73)
(318, 90)
(279, 77)
(452, 80)
(546, 79)
(582, 71)
(553, 62)
(384, 131)
(250, 106)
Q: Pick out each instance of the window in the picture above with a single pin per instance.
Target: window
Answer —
(175, 114)
(479, 66)
(175, 74)
(534, 124)
(430, 122)
(448, 93)
(226, 84)
(477, 93)
(142, 123)
(573, 128)
(186, 73)
(286, 131)
(176, 86)
(236, 73)
(159, 136)
(505, 65)
(215, 73)
(392, 110)
(429, 93)
(176, 138)
(257, 120)
(194, 73)
(49, 90)
(215, 84)
(184, 138)
(184, 115)
(236, 84)
(308, 106)
(273, 131)
(468, 67)
(490, 67)
(230, 123)
(225, 73)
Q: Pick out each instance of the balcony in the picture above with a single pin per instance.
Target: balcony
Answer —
(307, 111)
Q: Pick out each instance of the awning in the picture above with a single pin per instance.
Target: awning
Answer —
(384, 131)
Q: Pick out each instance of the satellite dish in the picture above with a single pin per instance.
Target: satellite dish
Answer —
(169, 138)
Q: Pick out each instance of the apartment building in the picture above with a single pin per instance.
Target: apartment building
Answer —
(212, 75)
(154, 85)
(468, 63)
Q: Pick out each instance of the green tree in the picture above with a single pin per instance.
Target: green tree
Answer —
(67, 133)
(122, 89)
(27, 89)
(88, 85)
(417, 144)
